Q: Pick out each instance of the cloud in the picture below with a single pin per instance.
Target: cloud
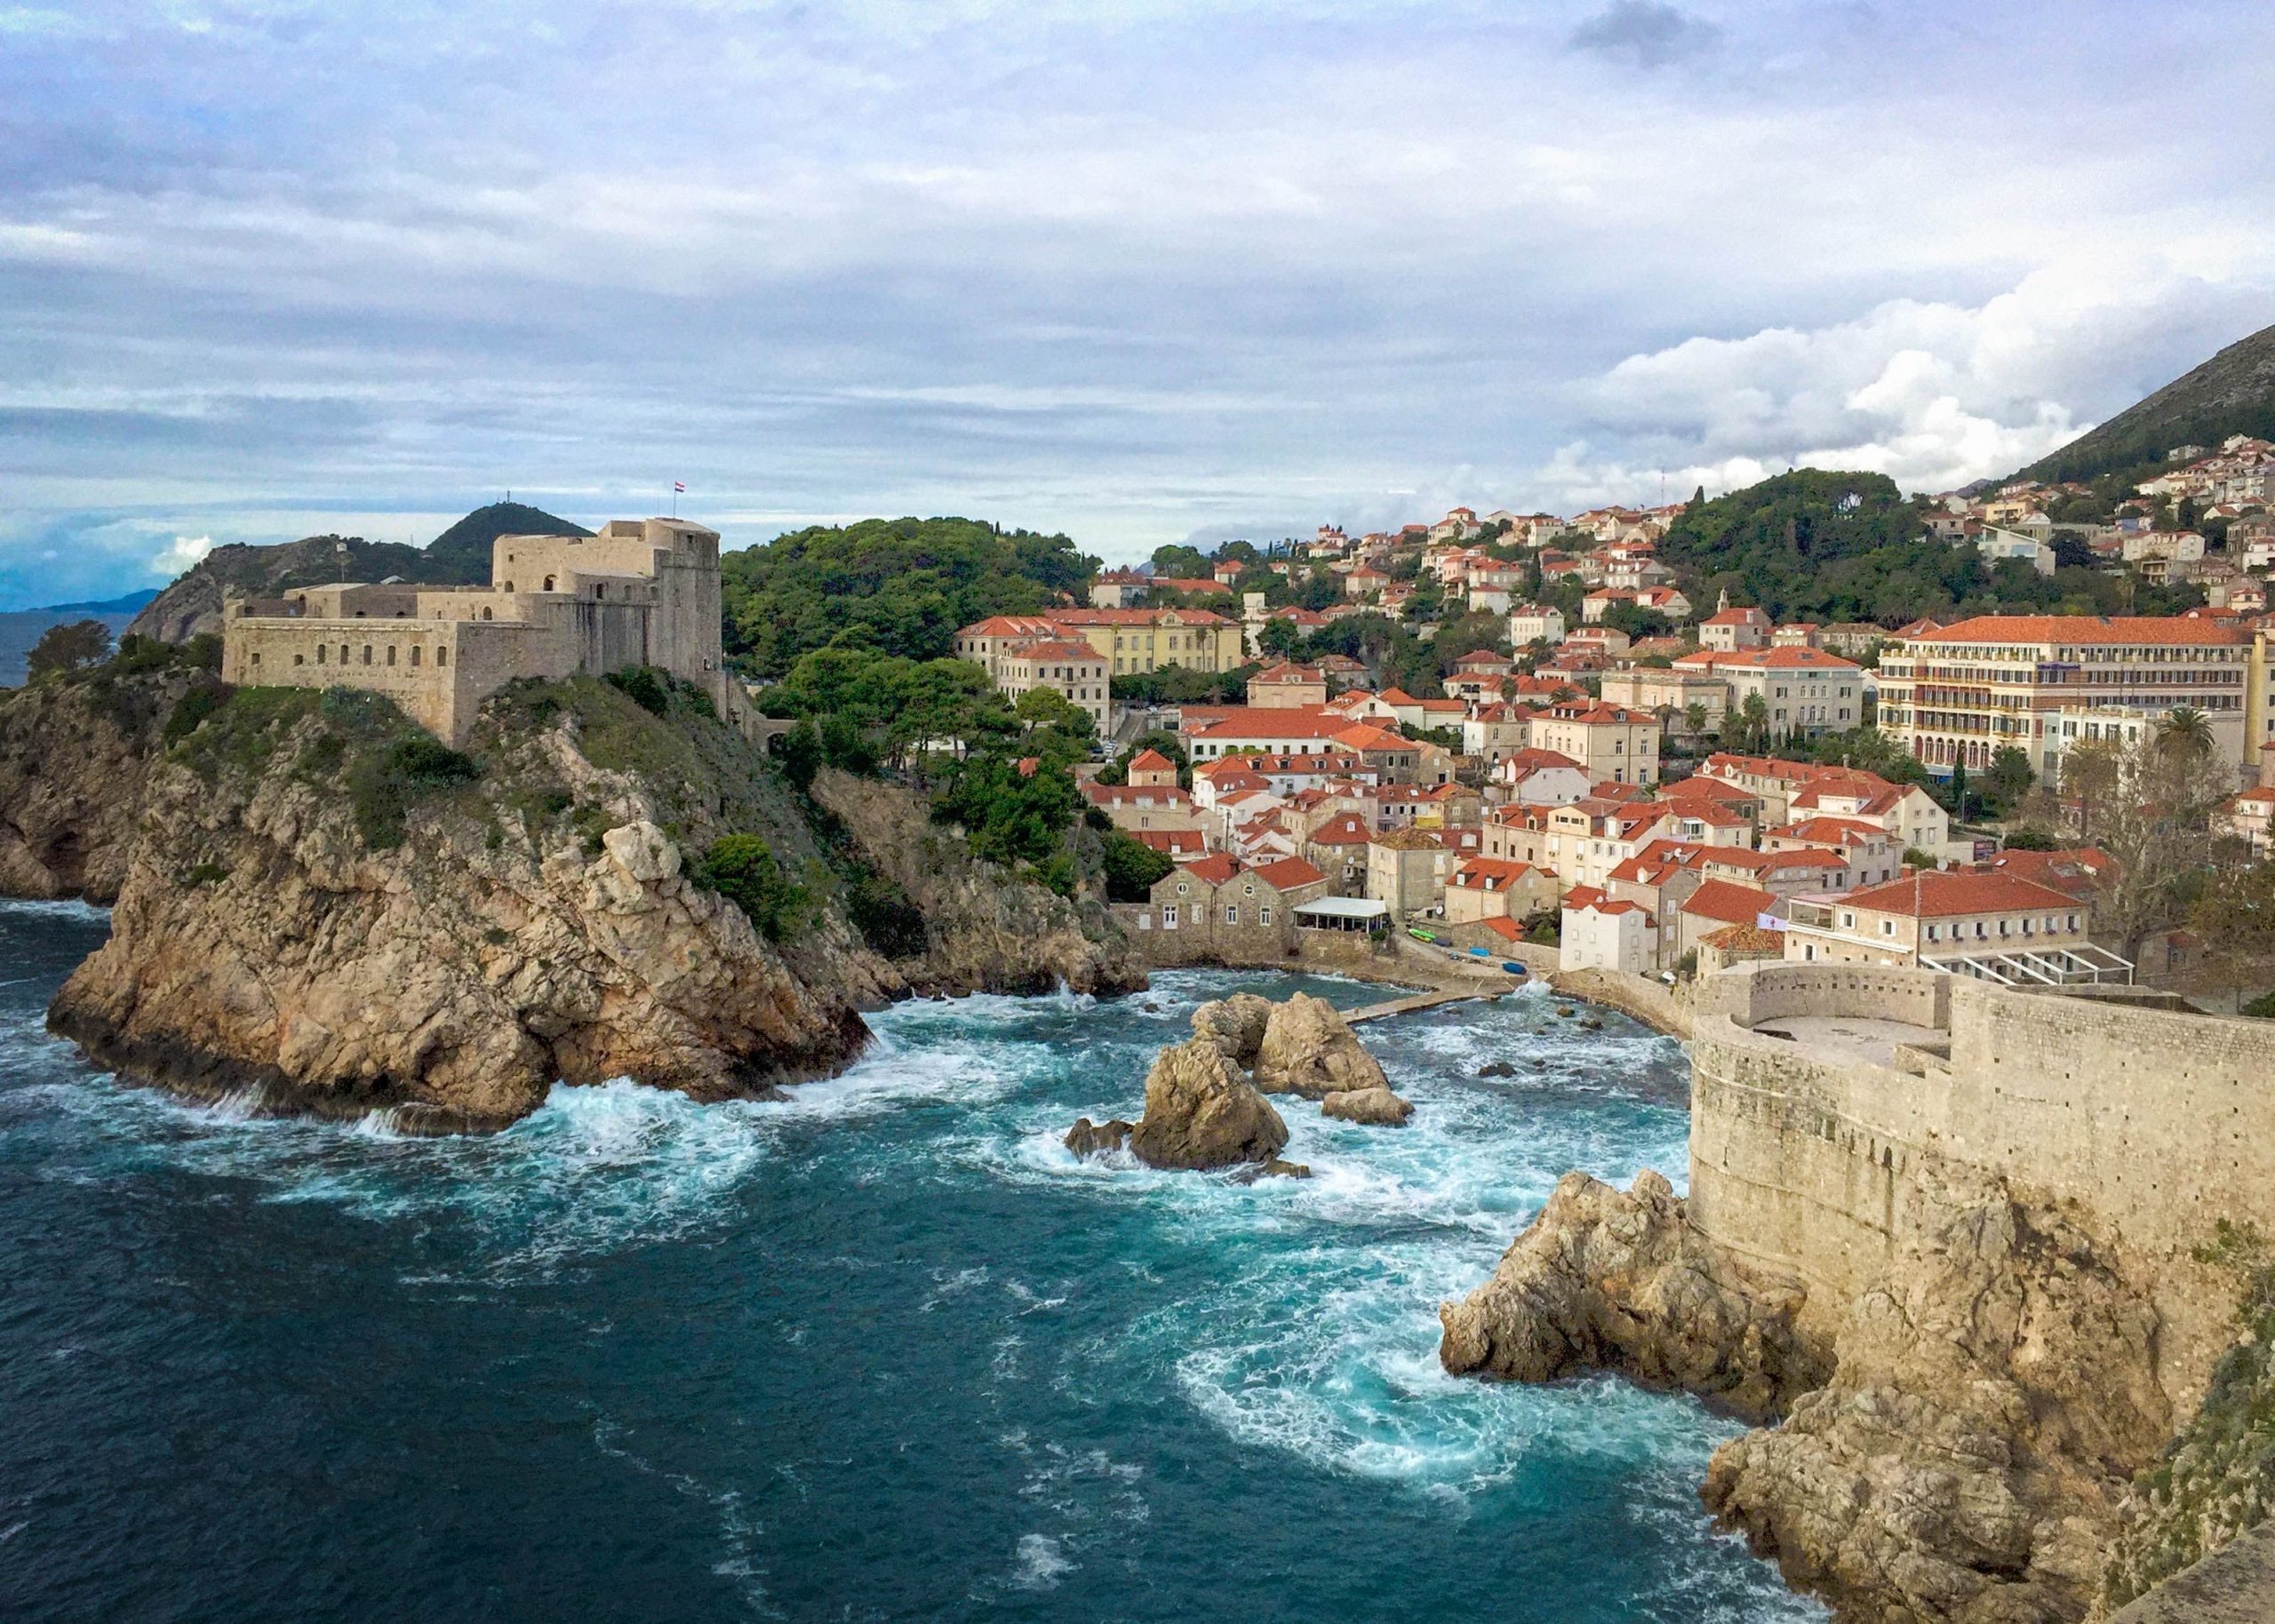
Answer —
(1645, 33)
(1935, 394)
(186, 553)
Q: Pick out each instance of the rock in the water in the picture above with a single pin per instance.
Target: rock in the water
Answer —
(1592, 1024)
(1308, 1049)
(1377, 1107)
(1497, 1068)
(1235, 1024)
(1565, 1014)
(1604, 1280)
(1200, 1112)
(1087, 1138)
(1274, 1169)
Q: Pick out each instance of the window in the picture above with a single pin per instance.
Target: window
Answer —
(415, 652)
(1232, 913)
(441, 657)
(1168, 917)
(391, 654)
(302, 659)
(320, 654)
(549, 585)
(343, 654)
(256, 659)
(1934, 933)
(367, 653)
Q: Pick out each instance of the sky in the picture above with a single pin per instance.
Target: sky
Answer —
(1137, 270)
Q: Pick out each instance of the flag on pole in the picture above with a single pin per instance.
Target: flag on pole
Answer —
(678, 488)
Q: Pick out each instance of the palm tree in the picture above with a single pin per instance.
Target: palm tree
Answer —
(2185, 731)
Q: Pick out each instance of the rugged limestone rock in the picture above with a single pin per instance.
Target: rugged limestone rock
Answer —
(72, 757)
(1995, 1389)
(984, 933)
(1308, 1049)
(1605, 1280)
(1200, 1112)
(1235, 1025)
(1088, 1138)
(1961, 1459)
(1377, 1107)
(298, 917)
(2216, 1479)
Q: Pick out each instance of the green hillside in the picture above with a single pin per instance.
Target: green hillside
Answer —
(899, 586)
(2231, 394)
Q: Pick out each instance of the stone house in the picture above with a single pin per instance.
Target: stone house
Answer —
(1217, 911)
(1485, 888)
(1946, 919)
(1402, 870)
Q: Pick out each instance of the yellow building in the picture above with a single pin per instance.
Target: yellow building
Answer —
(1138, 641)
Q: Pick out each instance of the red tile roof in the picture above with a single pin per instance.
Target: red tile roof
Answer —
(1288, 873)
(2134, 630)
(1939, 893)
(1728, 901)
(1150, 761)
(1214, 868)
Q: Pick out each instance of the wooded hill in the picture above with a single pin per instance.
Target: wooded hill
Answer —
(2231, 394)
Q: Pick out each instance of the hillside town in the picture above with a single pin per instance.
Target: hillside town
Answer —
(1660, 787)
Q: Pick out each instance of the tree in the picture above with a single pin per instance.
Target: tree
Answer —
(1959, 792)
(2092, 775)
(1280, 639)
(1180, 561)
(68, 647)
(2150, 807)
(2185, 730)
(1131, 868)
(2029, 837)
(2010, 775)
(1694, 718)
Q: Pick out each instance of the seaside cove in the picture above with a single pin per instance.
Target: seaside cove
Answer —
(882, 1349)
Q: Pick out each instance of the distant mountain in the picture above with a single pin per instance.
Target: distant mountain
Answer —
(2231, 394)
(124, 605)
(464, 546)
(459, 556)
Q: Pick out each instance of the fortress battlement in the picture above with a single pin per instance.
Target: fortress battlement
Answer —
(639, 592)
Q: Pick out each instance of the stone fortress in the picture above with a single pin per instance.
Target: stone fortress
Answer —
(643, 591)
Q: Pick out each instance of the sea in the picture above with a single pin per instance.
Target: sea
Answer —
(882, 1351)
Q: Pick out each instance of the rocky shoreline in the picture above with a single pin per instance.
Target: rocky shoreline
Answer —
(318, 911)
(1953, 1445)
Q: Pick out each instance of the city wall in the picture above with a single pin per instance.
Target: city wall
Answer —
(2146, 1125)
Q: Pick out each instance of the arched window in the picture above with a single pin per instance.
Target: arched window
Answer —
(391, 654)
(367, 653)
(485, 613)
(599, 590)
(414, 654)
(510, 587)
(359, 614)
(549, 583)
(343, 654)
(320, 648)
(441, 657)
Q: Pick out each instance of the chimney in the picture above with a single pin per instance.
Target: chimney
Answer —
(2267, 765)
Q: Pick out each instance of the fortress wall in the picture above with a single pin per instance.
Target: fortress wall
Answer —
(2150, 1125)
(2162, 1123)
(414, 663)
(1753, 993)
(1798, 1164)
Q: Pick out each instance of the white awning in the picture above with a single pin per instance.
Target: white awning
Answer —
(1345, 908)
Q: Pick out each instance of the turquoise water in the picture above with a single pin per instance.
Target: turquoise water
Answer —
(882, 1351)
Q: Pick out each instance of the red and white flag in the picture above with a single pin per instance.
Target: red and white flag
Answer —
(678, 488)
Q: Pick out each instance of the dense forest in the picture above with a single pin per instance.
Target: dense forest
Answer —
(1821, 545)
(897, 586)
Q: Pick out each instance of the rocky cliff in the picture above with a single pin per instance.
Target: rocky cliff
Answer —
(321, 906)
(74, 756)
(982, 935)
(1960, 1449)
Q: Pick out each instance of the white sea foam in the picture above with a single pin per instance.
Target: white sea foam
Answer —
(1039, 1563)
(61, 908)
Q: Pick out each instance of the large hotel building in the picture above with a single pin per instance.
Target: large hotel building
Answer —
(1960, 693)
